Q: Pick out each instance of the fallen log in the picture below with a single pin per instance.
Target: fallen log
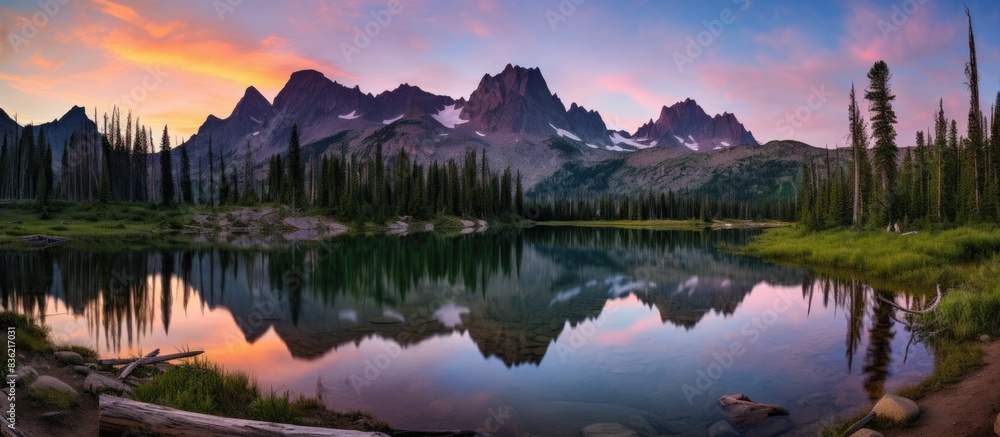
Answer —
(137, 363)
(119, 416)
(7, 429)
(158, 359)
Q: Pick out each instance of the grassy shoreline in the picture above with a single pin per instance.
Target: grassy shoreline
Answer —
(126, 225)
(196, 385)
(964, 260)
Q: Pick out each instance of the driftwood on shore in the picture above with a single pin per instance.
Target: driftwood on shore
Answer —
(154, 360)
(137, 363)
(8, 430)
(119, 416)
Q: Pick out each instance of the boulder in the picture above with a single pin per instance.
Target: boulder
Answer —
(984, 338)
(896, 409)
(25, 375)
(83, 370)
(865, 432)
(745, 413)
(46, 382)
(96, 383)
(69, 357)
(608, 429)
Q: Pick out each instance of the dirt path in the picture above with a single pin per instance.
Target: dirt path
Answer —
(80, 420)
(968, 408)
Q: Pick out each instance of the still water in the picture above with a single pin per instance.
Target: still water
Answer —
(536, 332)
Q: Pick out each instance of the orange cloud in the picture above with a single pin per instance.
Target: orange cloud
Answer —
(45, 64)
(129, 15)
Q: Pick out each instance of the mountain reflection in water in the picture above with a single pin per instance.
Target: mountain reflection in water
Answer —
(523, 297)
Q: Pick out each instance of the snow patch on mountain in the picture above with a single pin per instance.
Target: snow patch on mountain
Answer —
(592, 146)
(693, 145)
(449, 117)
(617, 139)
(393, 120)
(617, 148)
(480, 134)
(351, 116)
(724, 144)
(565, 133)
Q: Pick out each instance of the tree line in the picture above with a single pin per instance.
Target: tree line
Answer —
(354, 187)
(945, 178)
(660, 206)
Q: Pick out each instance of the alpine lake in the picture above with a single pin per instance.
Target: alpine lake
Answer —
(526, 332)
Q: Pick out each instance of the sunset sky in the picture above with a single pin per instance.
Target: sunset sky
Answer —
(183, 60)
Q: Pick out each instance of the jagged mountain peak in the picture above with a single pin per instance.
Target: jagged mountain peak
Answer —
(686, 124)
(253, 104)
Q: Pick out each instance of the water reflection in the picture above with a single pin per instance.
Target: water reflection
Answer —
(566, 312)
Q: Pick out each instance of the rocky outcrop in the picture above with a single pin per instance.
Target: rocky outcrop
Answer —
(896, 409)
(689, 122)
(745, 413)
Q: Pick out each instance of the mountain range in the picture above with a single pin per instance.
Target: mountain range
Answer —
(512, 116)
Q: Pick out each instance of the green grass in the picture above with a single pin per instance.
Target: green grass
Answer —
(52, 399)
(116, 224)
(29, 334)
(937, 257)
(32, 336)
(204, 387)
(952, 362)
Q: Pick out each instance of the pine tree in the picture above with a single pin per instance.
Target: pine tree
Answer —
(295, 185)
(858, 138)
(211, 174)
(975, 133)
(187, 193)
(249, 191)
(883, 119)
(223, 182)
(519, 195)
(104, 189)
(166, 170)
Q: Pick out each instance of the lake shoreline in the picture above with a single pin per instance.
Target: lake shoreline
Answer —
(962, 259)
(122, 225)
